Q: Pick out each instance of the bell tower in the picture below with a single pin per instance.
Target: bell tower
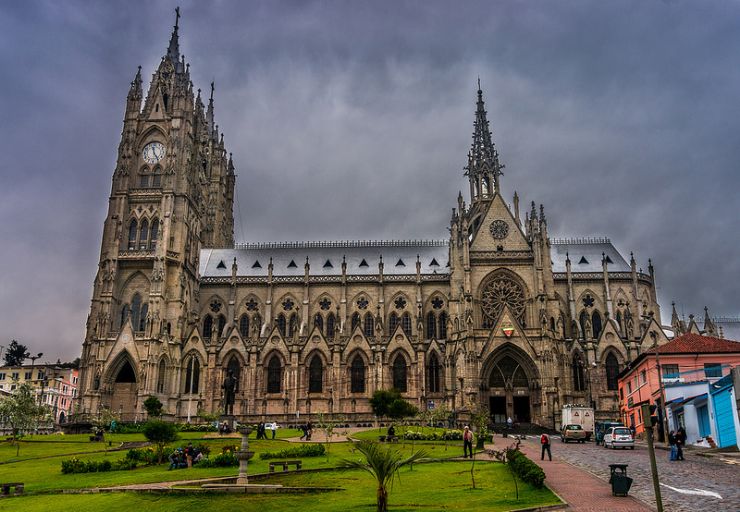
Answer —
(171, 195)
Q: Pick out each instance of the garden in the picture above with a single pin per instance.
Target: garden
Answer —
(69, 470)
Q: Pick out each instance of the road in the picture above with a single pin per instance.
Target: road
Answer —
(687, 486)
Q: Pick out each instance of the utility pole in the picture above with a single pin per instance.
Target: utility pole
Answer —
(646, 420)
(663, 409)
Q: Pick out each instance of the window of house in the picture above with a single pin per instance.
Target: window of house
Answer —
(712, 370)
(14, 376)
(621, 393)
(629, 387)
(643, 377)
(2, 376)
(669, 371)
(27, 376)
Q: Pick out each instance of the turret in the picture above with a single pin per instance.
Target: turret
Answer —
(483, 169)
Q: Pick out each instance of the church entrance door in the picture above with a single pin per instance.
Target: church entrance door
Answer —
(510, 381)
(521, 409)
(123, 399)
(497, 406)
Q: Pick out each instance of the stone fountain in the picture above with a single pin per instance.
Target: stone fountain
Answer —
(243, 456)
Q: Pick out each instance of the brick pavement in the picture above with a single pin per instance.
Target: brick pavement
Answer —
(583, 491)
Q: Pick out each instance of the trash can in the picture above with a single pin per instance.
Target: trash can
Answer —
(621, 483)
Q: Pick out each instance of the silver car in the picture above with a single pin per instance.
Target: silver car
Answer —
(619, 436)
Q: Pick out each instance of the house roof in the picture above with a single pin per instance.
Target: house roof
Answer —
(691, 343)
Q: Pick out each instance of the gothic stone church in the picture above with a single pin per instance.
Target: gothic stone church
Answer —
(501, 315)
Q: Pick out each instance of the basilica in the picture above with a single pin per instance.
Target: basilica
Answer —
(502, 317)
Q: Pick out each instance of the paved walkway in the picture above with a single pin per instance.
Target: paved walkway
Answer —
(583, 491)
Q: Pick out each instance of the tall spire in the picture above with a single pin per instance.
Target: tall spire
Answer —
(483, 169)
(173, 51)
(209, 115)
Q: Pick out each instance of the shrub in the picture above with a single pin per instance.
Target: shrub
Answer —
(449, 435)
(188, 427)
(524, 468)
(160, 433)
(74, 465)
(304, 450)
(146, 455)
(221, 460)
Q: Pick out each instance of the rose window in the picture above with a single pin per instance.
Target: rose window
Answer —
(502, 291)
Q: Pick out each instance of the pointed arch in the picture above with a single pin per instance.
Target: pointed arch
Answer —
(192, 374)
(162, 376)
(392, 323)
(207, 327)
(281, 324)
(400, 372)
(235, 367)
(318, 322)
(406, 323)
(244, 326)
(596, 324)
(357, 374)
(509, 366)
(611, 366)
(355, 320)
(293, 325)
(144, 235)
(132, 232)
(274, 374)
(442, 330)
(136, 311)
(434, 373)
(316, 375)
(331, 322)
(154, 233)
(431, 326)
(579, 378)
(221, 326)
(368, 324)
(123, 369)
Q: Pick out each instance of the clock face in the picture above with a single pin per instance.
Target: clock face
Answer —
(499, 229)
(153, 152)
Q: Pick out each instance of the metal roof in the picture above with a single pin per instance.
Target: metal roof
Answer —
(585, 255)
(325, 258)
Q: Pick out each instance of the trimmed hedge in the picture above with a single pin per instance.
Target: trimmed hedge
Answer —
(449, 435)
(76, 465)
(304, 450)
(524, 468)
(138, 428)
(222, 460)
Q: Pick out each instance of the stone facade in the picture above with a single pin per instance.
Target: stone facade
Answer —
(500, 316)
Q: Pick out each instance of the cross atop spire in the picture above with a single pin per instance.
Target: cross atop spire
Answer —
(483, 167)
(173, 50)
(210, 115)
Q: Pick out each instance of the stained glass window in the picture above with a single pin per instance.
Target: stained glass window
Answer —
(357, 375)
(274, 375)
(399, 373)
(315, 375)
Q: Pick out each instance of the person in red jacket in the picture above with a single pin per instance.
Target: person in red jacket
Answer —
(545, 442)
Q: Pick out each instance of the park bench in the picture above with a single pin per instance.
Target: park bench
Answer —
(285, 464)
(6, 488)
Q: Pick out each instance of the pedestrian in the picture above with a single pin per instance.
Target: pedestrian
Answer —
(467, 442)
(509, 423)
(680, 442)
(273, 427)
(545, 442)
(305, 431)
(672, 443)
(309, 431)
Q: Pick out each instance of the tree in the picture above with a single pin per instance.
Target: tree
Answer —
(161, 433)
(16, 354)
(153, 406)
(383, 465)
(21, 413)
(328, 427)
(388, 402)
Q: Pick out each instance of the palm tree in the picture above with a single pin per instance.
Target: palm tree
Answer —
(383, 464)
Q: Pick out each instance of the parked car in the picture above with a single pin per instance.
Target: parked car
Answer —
(619, 436)
(573, 433)
(602, 428)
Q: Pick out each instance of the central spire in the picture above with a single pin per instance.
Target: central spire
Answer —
(173, 51)
(483, 169)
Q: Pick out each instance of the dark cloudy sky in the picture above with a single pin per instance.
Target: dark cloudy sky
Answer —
(351, 120)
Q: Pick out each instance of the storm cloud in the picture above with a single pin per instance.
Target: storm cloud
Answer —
(352, 120)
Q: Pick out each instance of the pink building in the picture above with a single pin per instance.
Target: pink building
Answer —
(687, 358)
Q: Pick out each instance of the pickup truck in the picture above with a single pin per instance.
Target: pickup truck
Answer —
(573, 433)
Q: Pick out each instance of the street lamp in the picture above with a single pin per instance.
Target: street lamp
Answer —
(33, 361)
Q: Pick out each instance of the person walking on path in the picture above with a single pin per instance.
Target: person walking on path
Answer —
(545, 442)
(467, 442)
(680, 442)
(672, 443)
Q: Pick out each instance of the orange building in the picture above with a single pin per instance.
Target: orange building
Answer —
(687, 358)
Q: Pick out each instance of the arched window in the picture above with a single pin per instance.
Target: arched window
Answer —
(315, 375)
(274, 375)
(330, 326)
(433, 374)
(125, 312)
(132, 230)
(596, 324)
(612, 370)
(142, 317)
(281, 323)
(143, 179)
(369, 324)
(135, 311)
(357, 375)
(143, 235)
(154, 233)
(192, 375)
(431, 325)
(442, 332)
(244, 326)
(157, 177)
(318, 322)
(392, 323)
(399, 373)
(236, 370)
(583, 320)
(161, 373)
(406, 323)
(293, 325)
(355, 320)
(221, 325)
(207, 326)
(579, 382)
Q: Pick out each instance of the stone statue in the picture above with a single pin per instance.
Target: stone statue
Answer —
(229, 386)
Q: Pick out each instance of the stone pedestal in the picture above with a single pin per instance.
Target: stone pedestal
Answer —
(243, 456)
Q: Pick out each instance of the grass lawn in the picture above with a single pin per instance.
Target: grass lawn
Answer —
(434, 486)
(495, 492)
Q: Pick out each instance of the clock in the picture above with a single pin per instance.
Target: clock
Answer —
(153, 152)
(499, 229)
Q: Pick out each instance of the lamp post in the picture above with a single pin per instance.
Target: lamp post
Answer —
(33, 361)
(662, 408)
